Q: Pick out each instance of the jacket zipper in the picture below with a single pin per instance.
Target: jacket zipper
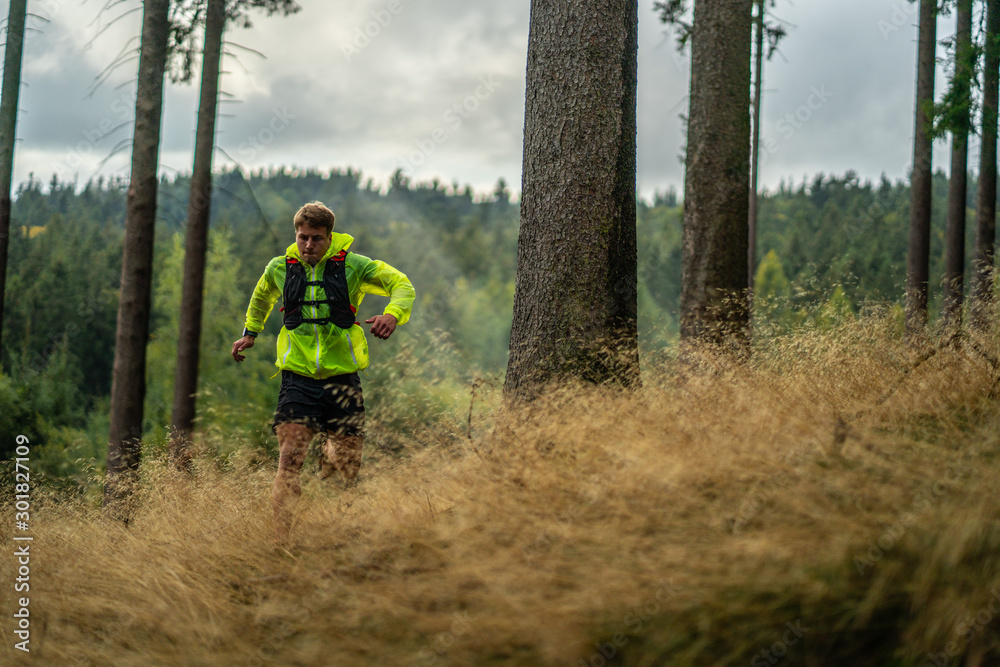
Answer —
(315, 315)
(350, 346)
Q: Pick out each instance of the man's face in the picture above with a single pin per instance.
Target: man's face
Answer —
(313, 242)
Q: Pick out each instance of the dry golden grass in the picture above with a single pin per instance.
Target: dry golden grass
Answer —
(824, 503)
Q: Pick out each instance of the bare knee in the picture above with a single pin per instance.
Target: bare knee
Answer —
(345, 453)
(293, 443)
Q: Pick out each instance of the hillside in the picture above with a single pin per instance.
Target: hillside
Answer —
(829, 246)
(832, 502)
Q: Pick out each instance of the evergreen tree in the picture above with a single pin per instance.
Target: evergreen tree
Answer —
(199, 209)
(198, 214)
(716, 183)
(918, 255)
(986, 193)
(965, 56)
(8, 124)
(773, 33)
(129, 378)
(575, 300)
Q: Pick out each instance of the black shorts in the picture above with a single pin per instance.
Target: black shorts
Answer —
(334, 404)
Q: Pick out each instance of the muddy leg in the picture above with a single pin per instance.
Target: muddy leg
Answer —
(343, 454)
(293, 441)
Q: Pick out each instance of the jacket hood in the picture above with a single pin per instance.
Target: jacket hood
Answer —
(338, 242)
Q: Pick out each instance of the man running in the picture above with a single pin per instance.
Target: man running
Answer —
(320, 347)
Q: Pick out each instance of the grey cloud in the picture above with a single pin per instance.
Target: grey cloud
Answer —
(372, 110)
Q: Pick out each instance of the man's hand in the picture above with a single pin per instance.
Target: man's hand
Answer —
(382, 325)
(244, 343)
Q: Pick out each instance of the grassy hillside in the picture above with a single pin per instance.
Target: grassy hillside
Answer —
(834, 502)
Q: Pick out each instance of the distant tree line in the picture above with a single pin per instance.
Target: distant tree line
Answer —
(815, 237)
(582, 280)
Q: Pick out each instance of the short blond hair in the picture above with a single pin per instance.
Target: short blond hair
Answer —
(315, 214)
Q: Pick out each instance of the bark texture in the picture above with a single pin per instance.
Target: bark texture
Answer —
(954, 254)
(714, 275)
(196, 241)
(128, 386)
(918, 253)
(986, 192)
(8, 129)
(758, 67)
(575, 293)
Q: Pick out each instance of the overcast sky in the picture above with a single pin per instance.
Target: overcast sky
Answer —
(437, 87)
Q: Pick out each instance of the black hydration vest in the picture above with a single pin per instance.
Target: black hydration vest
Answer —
(334, 284)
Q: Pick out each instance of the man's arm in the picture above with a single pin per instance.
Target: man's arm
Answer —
(265, 294)
(385, 280)
(382, 325)
(244, 343)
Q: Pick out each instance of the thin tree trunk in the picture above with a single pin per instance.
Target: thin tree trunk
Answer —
(575, 296)
(754, 159)
(986, 193)
(918, 253)
(128, 387)
(954, 256)
(196, 244)
(716, 182)
(8, 130)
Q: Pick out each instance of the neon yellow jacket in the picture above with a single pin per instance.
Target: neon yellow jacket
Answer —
(319, 351)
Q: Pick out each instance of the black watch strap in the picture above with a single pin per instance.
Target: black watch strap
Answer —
(247, 332)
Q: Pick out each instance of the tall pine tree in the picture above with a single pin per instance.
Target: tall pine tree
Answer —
(128, 385)
(8, 128)
(196, 237)
(716, 181)
(199, 213)
(575, 292)
(959, 123)
(918, 253)
(986, 194)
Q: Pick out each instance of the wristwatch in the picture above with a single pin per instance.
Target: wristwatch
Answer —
(247, 332)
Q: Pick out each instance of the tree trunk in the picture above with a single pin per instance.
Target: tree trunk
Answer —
(8, 130)
(758, 62)
(954, 256)
(196, 244)
(918, 253)
(575, 293)
(986, 193)
(128, 387)
(716, 182)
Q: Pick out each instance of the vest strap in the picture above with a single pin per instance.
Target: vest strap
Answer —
(334, 284)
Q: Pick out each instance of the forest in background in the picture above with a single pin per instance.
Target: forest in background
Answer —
(812, 463)
(828, 248)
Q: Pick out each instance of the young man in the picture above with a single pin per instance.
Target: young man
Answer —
(320, 347)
